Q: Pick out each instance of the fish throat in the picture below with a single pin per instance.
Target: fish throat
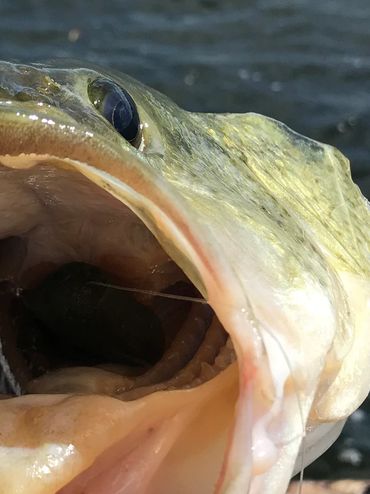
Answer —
(66, 248)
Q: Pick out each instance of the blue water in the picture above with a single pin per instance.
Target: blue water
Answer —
(305, 62)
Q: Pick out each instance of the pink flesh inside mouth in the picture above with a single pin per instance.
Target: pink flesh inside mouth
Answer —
(133, 410)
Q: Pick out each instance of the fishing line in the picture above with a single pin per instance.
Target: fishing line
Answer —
(302, 435)
(286, 358)
(300, 483)
(150, 292)
(296, 388)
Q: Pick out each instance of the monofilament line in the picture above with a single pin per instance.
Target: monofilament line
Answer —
(150, 292)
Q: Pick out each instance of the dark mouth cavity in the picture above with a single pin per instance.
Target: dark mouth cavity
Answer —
(76, 317)
(83, 323)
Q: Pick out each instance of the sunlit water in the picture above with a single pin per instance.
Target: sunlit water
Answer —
(305, 62)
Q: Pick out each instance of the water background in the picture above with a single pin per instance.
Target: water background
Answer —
(305, 62)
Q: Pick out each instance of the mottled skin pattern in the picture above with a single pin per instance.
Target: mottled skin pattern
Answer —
(266, 223)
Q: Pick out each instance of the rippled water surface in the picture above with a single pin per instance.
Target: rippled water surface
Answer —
(305, 62)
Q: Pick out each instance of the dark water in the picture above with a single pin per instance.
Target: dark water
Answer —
(305, 62)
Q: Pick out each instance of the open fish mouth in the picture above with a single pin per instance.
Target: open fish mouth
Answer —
(68, 329)
(67, 326)
(183, 298)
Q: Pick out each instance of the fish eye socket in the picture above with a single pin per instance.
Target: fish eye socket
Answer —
(116, 105)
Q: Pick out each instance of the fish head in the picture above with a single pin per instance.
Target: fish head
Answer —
(263, 224)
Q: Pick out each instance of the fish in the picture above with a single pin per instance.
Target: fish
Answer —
(185, 297)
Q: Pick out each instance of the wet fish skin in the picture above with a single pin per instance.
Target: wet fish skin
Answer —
(266, 223)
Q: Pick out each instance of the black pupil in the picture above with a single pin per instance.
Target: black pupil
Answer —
(120, 110)
(117, 106)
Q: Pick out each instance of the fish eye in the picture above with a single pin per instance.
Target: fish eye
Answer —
(116, 105)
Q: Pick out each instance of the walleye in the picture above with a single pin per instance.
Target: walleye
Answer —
(239, 344)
